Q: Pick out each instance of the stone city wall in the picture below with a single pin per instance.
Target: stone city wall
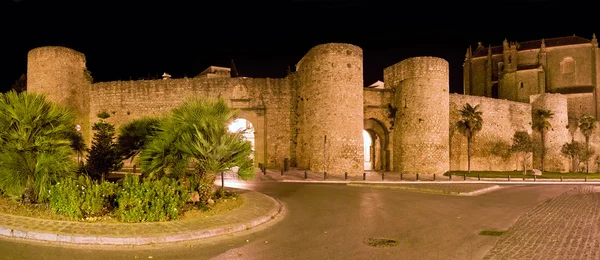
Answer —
(265, 102)
(330, 101)
(422, 123)
(501, 119)
(61, 74)
(558, 133)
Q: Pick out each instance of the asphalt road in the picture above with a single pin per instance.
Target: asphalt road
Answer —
(332, 221)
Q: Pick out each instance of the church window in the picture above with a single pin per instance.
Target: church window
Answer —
(510, 59)
(521, 84)
(567, 65)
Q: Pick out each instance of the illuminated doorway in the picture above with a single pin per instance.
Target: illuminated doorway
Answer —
(368, 142)
(245, 127)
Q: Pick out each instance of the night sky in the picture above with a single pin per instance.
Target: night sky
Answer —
(125, 40)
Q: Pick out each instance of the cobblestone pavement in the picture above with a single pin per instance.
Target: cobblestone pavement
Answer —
(565, 227)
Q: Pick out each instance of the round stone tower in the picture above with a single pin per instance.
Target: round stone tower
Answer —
(556, 136)
(61, 74)
(421, 136)
(330, 98)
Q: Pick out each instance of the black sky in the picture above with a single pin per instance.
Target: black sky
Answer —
(132, 39)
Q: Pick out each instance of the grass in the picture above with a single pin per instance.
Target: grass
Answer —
(43, 211)
(438, 188)
(519, 174)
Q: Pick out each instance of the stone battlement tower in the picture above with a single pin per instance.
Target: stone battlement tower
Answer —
(61, 74)
(330, 98)
(421, 134)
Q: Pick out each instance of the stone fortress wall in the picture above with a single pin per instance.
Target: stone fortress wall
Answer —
(422, 118)
(315, 116)
(264, 102)
(331, 112)
(501, 119)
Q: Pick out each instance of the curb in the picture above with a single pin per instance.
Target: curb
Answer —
(99, 240)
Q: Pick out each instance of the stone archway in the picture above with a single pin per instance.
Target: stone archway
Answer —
(380, 136)
(257, 120)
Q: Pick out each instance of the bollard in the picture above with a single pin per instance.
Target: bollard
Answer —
(585, 178)
(478, 178)
(401, 176)
(286, 164)
(508, 177)
(534, 178)
(450, 175)
(345, 175)
(324, 175)
(305, 175)
(364, 176)
(464, 177)
(417, 176)
(434, 177)
(383, 176)
(560, 178)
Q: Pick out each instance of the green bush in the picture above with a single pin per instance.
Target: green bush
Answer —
(158, 200)
(81, 197)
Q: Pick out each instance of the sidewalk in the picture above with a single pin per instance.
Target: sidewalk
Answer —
(299, 175)
(257, 209)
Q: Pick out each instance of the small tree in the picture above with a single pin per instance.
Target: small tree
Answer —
(104, 156)
(78, 145)
(522, 143)
(20, 84)
(541, 125)
(587, 124)
(469, 124)
(34, 145)
(134, 136)
(576, 152)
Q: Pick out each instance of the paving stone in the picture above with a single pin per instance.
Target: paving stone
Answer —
(565, 227)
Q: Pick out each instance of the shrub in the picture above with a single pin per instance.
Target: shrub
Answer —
(81, 197)
(157, 200)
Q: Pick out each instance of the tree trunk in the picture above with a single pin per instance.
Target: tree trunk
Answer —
(469, 153)
(524, 163)
(205, 186)
(543, 150)
(587, 161)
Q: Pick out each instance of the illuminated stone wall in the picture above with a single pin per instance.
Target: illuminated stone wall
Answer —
(501, 119)
(421, 140)
(61, 74)
(557, 135)
(376, 114)
(330, 99)
(265, 102)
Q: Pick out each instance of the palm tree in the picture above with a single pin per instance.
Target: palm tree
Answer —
(469, 124)
(35, 145)
(541, 124)
(587, 124)
(134, 136)
(196, 133)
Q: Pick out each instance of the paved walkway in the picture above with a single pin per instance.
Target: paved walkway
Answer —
(257, 209)
(566, 227)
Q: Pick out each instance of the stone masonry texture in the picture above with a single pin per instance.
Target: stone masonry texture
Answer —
(331, 95)
(421, 130)
(315, 116)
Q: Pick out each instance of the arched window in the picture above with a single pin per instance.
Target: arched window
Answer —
(567, 66)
